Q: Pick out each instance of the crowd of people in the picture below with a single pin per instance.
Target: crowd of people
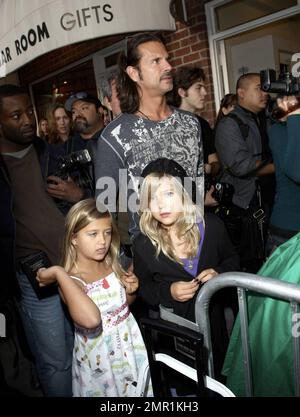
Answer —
(183, 196)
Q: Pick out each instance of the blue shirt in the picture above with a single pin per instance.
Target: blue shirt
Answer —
(285, 147)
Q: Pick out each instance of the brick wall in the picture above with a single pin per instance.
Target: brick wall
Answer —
(62, 57)
(187, 45)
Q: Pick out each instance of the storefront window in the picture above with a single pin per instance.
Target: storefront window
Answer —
(238, 12)
(59, 87)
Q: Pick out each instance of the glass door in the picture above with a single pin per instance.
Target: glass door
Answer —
(245, 36)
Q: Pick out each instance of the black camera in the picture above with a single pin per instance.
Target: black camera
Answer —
(286, 84)
(223, 192)
(75, 165)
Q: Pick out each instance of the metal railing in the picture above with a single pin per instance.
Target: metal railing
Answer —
(269, 287)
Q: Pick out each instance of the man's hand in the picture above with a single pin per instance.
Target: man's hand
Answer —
(64, 189)
(184, 291)
(209, 201)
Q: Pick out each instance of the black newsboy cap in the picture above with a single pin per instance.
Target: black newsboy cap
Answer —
(170, 167)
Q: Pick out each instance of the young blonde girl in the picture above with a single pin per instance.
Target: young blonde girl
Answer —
(179, 249)
(109, 356)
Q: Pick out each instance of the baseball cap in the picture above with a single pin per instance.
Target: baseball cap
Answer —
(84, 96)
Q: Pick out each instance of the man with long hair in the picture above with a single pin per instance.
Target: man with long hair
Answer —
(148, 127)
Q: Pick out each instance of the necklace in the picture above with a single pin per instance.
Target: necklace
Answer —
(143, 114)
(190, 263)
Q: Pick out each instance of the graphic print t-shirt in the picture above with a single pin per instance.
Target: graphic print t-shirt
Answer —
(130, 142)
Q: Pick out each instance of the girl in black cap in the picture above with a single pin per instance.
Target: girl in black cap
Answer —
(179, 249)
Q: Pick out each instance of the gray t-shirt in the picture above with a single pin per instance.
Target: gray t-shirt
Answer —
(130, 142)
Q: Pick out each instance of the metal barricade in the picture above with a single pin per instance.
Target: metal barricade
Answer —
(243, 281)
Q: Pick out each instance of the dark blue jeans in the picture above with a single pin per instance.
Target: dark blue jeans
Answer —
(50, 338)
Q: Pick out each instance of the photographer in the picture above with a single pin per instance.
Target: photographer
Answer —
(285, 145)
(68, 175)
(241, 143)
(79, 182)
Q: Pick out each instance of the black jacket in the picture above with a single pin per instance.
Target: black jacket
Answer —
(157, 274)
(7, 238)
(8, 283)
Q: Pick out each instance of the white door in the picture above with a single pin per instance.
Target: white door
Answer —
(249, 56)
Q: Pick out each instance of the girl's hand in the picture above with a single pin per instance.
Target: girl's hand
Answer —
(130, 282)
(46, 276)
(184, 291)
(206, 275)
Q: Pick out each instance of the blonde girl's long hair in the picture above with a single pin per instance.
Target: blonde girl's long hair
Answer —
(186, 224)
(79, 216)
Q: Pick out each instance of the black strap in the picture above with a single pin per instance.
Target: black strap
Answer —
(244, 129)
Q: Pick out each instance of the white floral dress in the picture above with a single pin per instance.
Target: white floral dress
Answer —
(110, 361)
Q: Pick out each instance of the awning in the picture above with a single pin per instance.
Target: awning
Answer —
(30, 28)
